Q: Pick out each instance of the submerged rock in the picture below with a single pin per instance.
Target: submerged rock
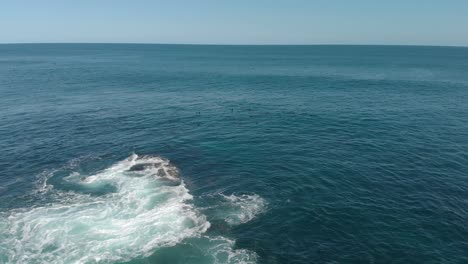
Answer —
(160, 169)
(161, 173)
(144, 166)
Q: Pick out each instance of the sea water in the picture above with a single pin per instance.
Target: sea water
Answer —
(119, 153)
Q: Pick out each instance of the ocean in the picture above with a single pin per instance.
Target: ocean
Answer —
(133, 153)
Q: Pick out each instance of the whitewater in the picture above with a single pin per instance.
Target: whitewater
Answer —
(145, 206)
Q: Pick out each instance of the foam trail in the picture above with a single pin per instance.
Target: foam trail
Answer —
(222, 250)
(147, 210)
(234, 209)
(243, 208)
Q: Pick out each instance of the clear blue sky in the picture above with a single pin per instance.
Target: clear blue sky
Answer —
(427, 22)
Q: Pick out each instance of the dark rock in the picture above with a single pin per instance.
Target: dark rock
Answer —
(144, 166)
(161, 173)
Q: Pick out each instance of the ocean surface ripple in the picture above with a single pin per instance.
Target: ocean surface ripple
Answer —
(244, 154)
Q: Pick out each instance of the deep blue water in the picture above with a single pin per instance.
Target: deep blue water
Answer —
(287, 154)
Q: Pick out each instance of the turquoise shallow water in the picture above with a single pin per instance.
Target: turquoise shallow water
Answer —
(233, 154)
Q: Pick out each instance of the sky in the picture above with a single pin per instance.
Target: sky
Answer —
(402, 22)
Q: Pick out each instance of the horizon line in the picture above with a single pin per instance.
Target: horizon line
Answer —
(219, 44)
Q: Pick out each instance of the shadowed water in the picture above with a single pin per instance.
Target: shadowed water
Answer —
(271, 154)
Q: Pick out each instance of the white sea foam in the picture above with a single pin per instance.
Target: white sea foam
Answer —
(222, 250)
(139, 205)
(234, 209)
(243, 208)
(145, 212)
